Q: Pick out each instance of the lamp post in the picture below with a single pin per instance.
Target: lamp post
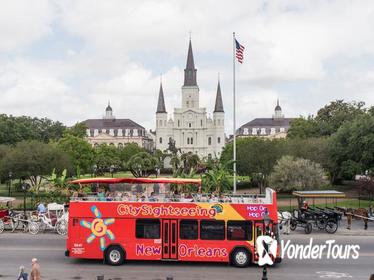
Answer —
(25, 187)
(10, 174)
(266, 221)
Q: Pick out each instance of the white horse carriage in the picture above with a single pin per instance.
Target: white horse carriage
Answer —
(56, 218)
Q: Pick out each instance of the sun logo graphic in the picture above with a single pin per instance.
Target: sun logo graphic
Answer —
(99, 228)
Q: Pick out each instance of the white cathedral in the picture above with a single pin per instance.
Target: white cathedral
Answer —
(191, 128)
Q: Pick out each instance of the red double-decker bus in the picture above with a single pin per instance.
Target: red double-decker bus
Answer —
(142, 219)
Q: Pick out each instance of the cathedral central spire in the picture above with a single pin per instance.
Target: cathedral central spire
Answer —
(190, 71)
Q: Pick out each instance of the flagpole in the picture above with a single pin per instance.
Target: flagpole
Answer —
(234, 111)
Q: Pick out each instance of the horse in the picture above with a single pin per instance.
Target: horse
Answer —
(284, 219)
(359, 213)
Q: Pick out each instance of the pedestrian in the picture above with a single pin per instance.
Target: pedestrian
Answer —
(35, 269)
(22, 275)
(372, 277)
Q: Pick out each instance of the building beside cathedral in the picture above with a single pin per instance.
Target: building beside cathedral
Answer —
(190, 128)
(116, 132)
(274, 127)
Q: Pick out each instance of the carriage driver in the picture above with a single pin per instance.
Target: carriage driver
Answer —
(305, 205)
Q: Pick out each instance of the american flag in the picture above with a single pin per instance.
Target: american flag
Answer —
(239, 51)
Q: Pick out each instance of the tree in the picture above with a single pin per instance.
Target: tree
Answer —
(128, 151)
(296, 174)
(17, 129)
(80, 152)
(331, 117)
(217, 177)
(328, 119)
(303, 128)
(47, 129)
(106, 156)
(352, 148)
(314, 149)
(142, 164)
(190, 162)
(34, 160)
(77, 130)
(4, 150)
(255, 157)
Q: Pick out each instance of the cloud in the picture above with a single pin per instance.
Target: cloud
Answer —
(23, 22)
(307, 53)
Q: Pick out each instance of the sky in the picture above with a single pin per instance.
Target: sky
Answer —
(65, 60)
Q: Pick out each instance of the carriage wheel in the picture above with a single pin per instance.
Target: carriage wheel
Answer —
(33, 228)
(293, 225)
(62, 227)
(308, 228)
(1, 226)
(331, 226)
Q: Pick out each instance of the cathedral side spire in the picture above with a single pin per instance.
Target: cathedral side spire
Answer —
(161, 102)
(218, 108)
(190, 71)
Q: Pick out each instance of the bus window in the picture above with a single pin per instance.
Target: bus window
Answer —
(239, 230)
(188, 229)
(212, 230)
(148, 228)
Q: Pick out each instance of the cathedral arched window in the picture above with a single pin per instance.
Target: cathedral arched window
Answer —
(201, 122)
(120, 145)
(188, 140)
(209, 140)
(179, 123)
(189, 124)
(219, 140)
(191, 140)
(160, 140)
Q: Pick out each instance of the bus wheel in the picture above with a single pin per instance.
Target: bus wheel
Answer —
(240, 257)
(114, 255)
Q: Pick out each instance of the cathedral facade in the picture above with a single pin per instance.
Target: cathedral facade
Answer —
(191, 130)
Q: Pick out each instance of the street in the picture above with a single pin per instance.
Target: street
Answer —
(18, 249)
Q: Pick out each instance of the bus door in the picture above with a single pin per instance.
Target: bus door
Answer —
(169, 239)
(258, 229)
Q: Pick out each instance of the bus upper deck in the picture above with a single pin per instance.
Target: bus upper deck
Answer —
(160, 190)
